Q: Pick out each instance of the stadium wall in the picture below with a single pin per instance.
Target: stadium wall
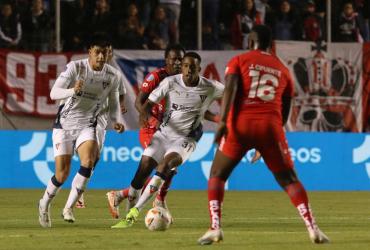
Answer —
(324, 161)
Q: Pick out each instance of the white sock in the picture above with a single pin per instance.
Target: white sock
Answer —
(133, 196)
(78, 187)
(151, 189)
(49, 194)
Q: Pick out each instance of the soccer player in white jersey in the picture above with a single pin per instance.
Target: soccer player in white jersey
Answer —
(103, 118)
(82, 88)
(188, 97)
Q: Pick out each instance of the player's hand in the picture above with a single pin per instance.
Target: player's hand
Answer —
(256, 156)
(119, 127)
(143, 120)
(220, 132)
(78, 87)
(123, 108)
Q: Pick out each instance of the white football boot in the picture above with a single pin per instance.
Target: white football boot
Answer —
(68, 215)
(212, 235)
(44, 215)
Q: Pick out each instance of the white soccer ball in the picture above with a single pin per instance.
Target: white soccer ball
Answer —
(157, 219)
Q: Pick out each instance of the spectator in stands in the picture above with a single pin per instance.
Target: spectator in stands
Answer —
(243, 23)
(209, 40)
(37, 28)
(313, 24)
(350, 27)
(145, 9)
(210, 10)
(262, 7)
(285, 23)
(173, 10)
(102, 21)
(158, 31)
(130, 31)
(74, 26)
(10, 27)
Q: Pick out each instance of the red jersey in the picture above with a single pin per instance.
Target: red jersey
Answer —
(264, 80)
(151, 82)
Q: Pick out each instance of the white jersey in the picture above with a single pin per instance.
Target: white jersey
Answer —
(103, 116)
(185, 106)
(80, 111)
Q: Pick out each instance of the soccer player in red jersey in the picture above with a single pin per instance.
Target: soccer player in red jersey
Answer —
(255, 107)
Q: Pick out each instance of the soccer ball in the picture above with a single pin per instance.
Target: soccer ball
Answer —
(157, 219)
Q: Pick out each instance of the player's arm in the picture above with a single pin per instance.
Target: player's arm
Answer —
(231, 87)
(61, 88)
(122, 92)
(115, 110)
(149, 84)
(140, 101)
(286, 102)
(154, 98)
(209, 116)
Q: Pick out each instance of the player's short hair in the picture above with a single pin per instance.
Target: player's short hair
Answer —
(100, 40)
(264, 36)
(193, 55)
(175, 47)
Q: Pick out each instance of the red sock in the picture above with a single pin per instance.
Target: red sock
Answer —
(216, 189)
(124, 193)
(298, 197)
(166, 185)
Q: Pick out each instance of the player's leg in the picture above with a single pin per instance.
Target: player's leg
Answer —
(184, 148)
(170, 161)
(100, 138)
(277, 158)
(226, 159)
(147, 165)
(160, 199)
(63, 148)
(222, 166)
(157, 151)
(115, 197)
(86, 145)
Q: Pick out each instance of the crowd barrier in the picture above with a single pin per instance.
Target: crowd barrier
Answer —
(324, 161)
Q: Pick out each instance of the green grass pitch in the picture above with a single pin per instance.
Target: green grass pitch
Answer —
(251, 220)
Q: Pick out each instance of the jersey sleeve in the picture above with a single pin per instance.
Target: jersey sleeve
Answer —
(160, 92)
(150, 83)
(61, 88)
(233, 66)
(121, 85)
(114, 105)
(218, 90)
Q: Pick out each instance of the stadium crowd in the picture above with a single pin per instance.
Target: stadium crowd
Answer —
(153, 24)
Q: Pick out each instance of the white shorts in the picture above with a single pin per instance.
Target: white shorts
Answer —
(161, 145)
(66, 141)
(100, 137)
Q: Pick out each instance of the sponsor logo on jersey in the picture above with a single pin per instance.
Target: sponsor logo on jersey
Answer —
(105, 85)
(203, 97)
(150, 78)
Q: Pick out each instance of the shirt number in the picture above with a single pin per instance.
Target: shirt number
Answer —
(260, 88)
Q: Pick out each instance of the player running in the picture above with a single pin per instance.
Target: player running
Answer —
(103, 118)
(188, 97)
(173, 56)
(255, 107)
(83, 88)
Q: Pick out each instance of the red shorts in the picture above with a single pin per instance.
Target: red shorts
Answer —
(145, 137)
(263, 135)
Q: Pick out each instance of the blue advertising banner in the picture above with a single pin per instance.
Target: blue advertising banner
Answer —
(324, 161)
